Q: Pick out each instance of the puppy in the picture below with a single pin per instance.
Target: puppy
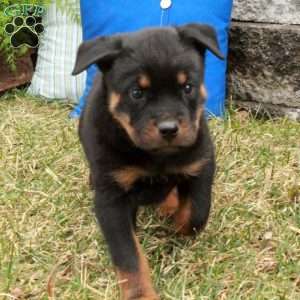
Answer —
(146, 139)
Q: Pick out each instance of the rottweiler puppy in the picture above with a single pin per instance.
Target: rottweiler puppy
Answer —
(146, 139)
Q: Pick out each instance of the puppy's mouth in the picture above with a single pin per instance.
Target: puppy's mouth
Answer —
(166, 149)
(166, 137)
(158, 145)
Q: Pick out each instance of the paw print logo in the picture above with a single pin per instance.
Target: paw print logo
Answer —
(24, 31)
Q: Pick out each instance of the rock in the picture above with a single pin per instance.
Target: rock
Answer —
(22, 75)
(264, 67)
(269, 11)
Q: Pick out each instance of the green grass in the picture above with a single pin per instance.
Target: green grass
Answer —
(50, 243)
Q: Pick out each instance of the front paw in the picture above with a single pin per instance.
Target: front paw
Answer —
(148, 298)
(138, 294)
(153, 297)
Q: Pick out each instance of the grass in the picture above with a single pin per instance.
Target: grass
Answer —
(51, 248)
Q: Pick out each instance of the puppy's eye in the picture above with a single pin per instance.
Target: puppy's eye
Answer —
(187, 88)
(136, 93)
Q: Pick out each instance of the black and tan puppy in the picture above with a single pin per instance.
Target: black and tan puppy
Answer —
(146, 139)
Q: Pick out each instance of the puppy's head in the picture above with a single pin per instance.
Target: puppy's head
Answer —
(154, 82)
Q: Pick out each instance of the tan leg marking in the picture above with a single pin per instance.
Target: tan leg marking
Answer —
(182, 218)
(170, 205)
(138, 285)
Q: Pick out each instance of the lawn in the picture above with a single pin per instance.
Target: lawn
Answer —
(51, 248)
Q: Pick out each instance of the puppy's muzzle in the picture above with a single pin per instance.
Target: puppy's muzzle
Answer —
(168, 129)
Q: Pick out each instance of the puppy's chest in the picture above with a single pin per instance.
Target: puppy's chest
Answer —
(128, 176)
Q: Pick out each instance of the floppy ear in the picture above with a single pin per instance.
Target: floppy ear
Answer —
(102, 51)
(202, 37)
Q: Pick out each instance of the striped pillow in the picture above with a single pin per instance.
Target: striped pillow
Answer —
(56, 57)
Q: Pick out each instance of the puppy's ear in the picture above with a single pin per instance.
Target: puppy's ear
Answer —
(102, 51)
(202, 37)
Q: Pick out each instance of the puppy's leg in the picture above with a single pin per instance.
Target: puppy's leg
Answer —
(195, 202)
(137, 285)
(170, 205)
(115, 217)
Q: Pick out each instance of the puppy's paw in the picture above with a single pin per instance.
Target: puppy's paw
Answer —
(151, 295)
(137, 289)
(148, 298)
(170, 205)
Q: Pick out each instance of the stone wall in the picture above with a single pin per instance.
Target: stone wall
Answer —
(264, 58)
(267, 11)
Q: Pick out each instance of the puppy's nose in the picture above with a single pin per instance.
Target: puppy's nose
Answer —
(168, 129)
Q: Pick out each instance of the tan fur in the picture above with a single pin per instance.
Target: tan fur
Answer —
(150, 133)
(192, 169)
(170, 205)
(183, 216)
(114, 101)
(181, 77)
(137, 285)
(144, 81)
(199, 114)
(127, 176)
(203, 91)
(122, 118)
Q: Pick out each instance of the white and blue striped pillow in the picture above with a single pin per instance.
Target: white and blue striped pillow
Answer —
(56, 57)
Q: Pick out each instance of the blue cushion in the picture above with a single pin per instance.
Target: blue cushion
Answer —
(116, 16)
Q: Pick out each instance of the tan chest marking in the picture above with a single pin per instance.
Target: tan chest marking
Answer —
(190, 170)
(128, 176)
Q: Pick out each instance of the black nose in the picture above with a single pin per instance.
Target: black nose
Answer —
(168, 129)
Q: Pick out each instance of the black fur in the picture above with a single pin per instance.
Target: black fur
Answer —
(160, 54)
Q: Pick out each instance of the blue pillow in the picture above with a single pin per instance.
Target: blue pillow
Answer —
(108, 17)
